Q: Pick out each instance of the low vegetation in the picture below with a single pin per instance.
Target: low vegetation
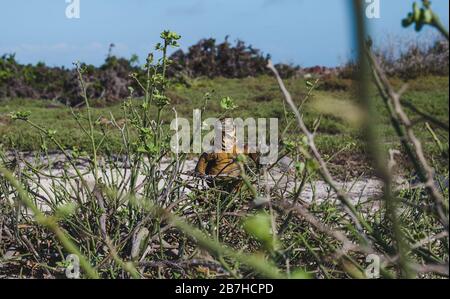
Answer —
(120, 204)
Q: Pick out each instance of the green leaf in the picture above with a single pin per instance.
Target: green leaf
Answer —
(20, 115)
(227, 103)
(66, 210)
(259, 226)
(312, 166)
(416, 12)
(51, 133)
(427, 16)
(300, 166)
(300, 274)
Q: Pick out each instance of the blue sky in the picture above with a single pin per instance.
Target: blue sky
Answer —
(305, 32)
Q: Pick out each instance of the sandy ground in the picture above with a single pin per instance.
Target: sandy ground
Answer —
(280, 177)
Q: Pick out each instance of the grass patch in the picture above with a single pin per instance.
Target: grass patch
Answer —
(255, 97)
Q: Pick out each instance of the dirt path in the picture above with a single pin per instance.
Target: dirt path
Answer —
(280, 179)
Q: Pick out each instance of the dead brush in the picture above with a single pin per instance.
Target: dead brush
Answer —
(135, 214)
